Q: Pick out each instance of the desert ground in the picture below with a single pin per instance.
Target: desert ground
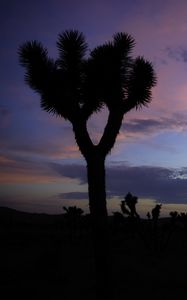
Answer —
(51, 257)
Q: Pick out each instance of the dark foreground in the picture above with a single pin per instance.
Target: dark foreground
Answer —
(50, 257)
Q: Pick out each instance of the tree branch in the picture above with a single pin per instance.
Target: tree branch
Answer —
(82, 137)
(111, 131)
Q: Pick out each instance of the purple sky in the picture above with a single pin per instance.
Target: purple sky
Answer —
(41, 168)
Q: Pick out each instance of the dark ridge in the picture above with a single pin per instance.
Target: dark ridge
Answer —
(11, 216)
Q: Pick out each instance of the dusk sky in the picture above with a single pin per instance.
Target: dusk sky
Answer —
(41, 169)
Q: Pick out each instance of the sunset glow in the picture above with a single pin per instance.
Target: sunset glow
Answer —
(40, 163)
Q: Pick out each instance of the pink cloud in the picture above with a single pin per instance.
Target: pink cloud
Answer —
(23, 170)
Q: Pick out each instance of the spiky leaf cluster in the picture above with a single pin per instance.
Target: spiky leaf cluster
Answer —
(141, 80)
(76, 85)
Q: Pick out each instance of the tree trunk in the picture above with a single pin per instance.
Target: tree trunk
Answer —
(95, 158)
(98, 210)
(96, 186)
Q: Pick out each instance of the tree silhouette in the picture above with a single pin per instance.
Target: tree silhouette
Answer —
(76, 85)
(73, 216)
(156, 212)
(73, 211)
(131, 202)
(155, 230)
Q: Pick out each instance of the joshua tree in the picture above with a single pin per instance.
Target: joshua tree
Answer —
(156, 212)
(73, 211)
(76, 85)
(155, 232)
(73, 217)
(131, 202)
(174, 216)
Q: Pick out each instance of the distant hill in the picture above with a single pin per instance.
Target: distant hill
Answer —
(10, 215)
(6, 211)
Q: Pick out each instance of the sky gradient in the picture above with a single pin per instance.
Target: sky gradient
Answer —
(41, 169)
